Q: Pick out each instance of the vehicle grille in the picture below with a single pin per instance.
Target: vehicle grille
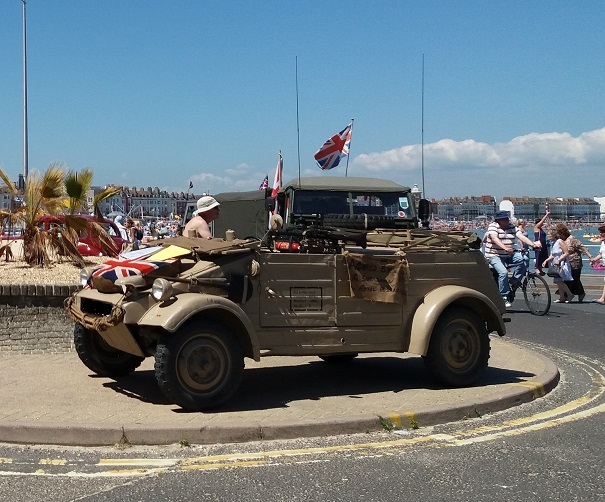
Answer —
(95, 307)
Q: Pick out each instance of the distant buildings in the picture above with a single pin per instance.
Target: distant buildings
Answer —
(529, 208)
(162, 204)
(144, 202)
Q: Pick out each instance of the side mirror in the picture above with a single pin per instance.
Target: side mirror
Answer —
(424, 210)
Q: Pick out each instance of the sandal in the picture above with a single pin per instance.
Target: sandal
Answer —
(599, 302)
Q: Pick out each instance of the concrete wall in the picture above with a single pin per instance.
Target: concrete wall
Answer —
(33, 319)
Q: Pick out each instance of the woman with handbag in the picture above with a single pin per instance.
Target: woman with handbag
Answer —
(560, 269)
(576, 249)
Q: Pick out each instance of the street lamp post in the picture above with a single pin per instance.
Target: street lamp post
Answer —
(25, 148)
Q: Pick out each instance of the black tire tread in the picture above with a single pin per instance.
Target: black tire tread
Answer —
(437, 366)
(110, 363)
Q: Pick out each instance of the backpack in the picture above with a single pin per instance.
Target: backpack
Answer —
(138, 233)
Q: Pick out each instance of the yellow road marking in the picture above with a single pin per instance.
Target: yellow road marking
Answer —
(52, 461)
(397, 419)
(223, 465)
(153, 462)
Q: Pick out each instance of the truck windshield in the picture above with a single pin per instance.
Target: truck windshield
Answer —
(394, 204)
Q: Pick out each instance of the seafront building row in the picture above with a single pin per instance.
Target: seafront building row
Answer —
(529, 208)
(153, 202)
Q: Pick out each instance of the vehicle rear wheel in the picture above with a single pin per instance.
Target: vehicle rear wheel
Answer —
(338, 358)
(199, 367)
(459, 348)
(100, 357)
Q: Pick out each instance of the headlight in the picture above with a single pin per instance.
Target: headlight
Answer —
(85, 274)
(161, 290)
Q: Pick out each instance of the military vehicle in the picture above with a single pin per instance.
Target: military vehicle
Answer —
(344, 270)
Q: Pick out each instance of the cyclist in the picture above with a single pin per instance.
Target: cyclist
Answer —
(500, 253)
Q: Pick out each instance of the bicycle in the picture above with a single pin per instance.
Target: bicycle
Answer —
(535, 288)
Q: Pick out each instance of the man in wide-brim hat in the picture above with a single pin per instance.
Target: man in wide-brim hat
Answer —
(206, 212)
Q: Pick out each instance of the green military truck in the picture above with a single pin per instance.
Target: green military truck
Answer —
(343, 270)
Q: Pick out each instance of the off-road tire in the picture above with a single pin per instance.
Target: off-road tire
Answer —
(200, 366)
(358, 221)
(98, 356)
(338, 358)
(459, 348)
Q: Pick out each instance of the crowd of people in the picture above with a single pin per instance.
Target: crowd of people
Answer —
(557, 253)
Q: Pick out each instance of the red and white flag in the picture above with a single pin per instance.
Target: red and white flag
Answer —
(278, 172)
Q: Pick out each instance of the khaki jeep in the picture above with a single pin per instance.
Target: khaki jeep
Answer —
(317, 290)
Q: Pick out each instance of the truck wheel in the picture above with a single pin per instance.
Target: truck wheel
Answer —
(459, 348)
(100, 357)
(199, 367)
(338, 358)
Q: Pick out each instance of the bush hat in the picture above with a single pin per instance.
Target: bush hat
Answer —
(502, 215)
(205, 203)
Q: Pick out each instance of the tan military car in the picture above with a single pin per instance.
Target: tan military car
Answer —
(200, 306)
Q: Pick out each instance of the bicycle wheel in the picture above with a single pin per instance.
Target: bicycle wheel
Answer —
(537, 294)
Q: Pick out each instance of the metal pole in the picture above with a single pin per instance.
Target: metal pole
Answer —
(422, 132)
(297, 122)
(349, 154)
(25, 153)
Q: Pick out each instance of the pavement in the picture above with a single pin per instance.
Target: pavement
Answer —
(55, 399)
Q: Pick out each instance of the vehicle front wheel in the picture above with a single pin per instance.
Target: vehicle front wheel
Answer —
(459, 348)
(199, 367)
(100, 357)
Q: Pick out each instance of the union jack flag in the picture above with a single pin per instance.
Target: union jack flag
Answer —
(265, 184)
(337, 147)
(113, 270)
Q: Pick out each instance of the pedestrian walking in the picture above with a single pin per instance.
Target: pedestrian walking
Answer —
(576, 249)
(558, 256)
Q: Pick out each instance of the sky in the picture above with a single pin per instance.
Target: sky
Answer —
(155, 93)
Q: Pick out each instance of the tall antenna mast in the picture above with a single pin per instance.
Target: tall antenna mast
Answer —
(422, 133)
(297, 122)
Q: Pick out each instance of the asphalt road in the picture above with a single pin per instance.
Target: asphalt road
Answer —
(550, 449)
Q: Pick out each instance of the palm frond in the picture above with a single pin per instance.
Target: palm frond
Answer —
(96, 232)
(64, 241)
(76, 186)
(106, 193)
(9, 184)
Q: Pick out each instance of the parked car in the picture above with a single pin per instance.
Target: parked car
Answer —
(88, 245)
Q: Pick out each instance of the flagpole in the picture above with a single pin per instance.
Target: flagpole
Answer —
(186, 202)
(297, 122)
(349, 155)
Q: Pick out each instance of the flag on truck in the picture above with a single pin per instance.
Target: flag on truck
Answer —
(265, 184)
(334, 149)
(277, 180)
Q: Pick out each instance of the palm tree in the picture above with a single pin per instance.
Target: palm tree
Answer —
(59, 193)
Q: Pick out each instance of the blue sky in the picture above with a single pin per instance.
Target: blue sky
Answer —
(160, 92)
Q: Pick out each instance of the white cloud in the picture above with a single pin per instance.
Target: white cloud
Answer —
(539, 164)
